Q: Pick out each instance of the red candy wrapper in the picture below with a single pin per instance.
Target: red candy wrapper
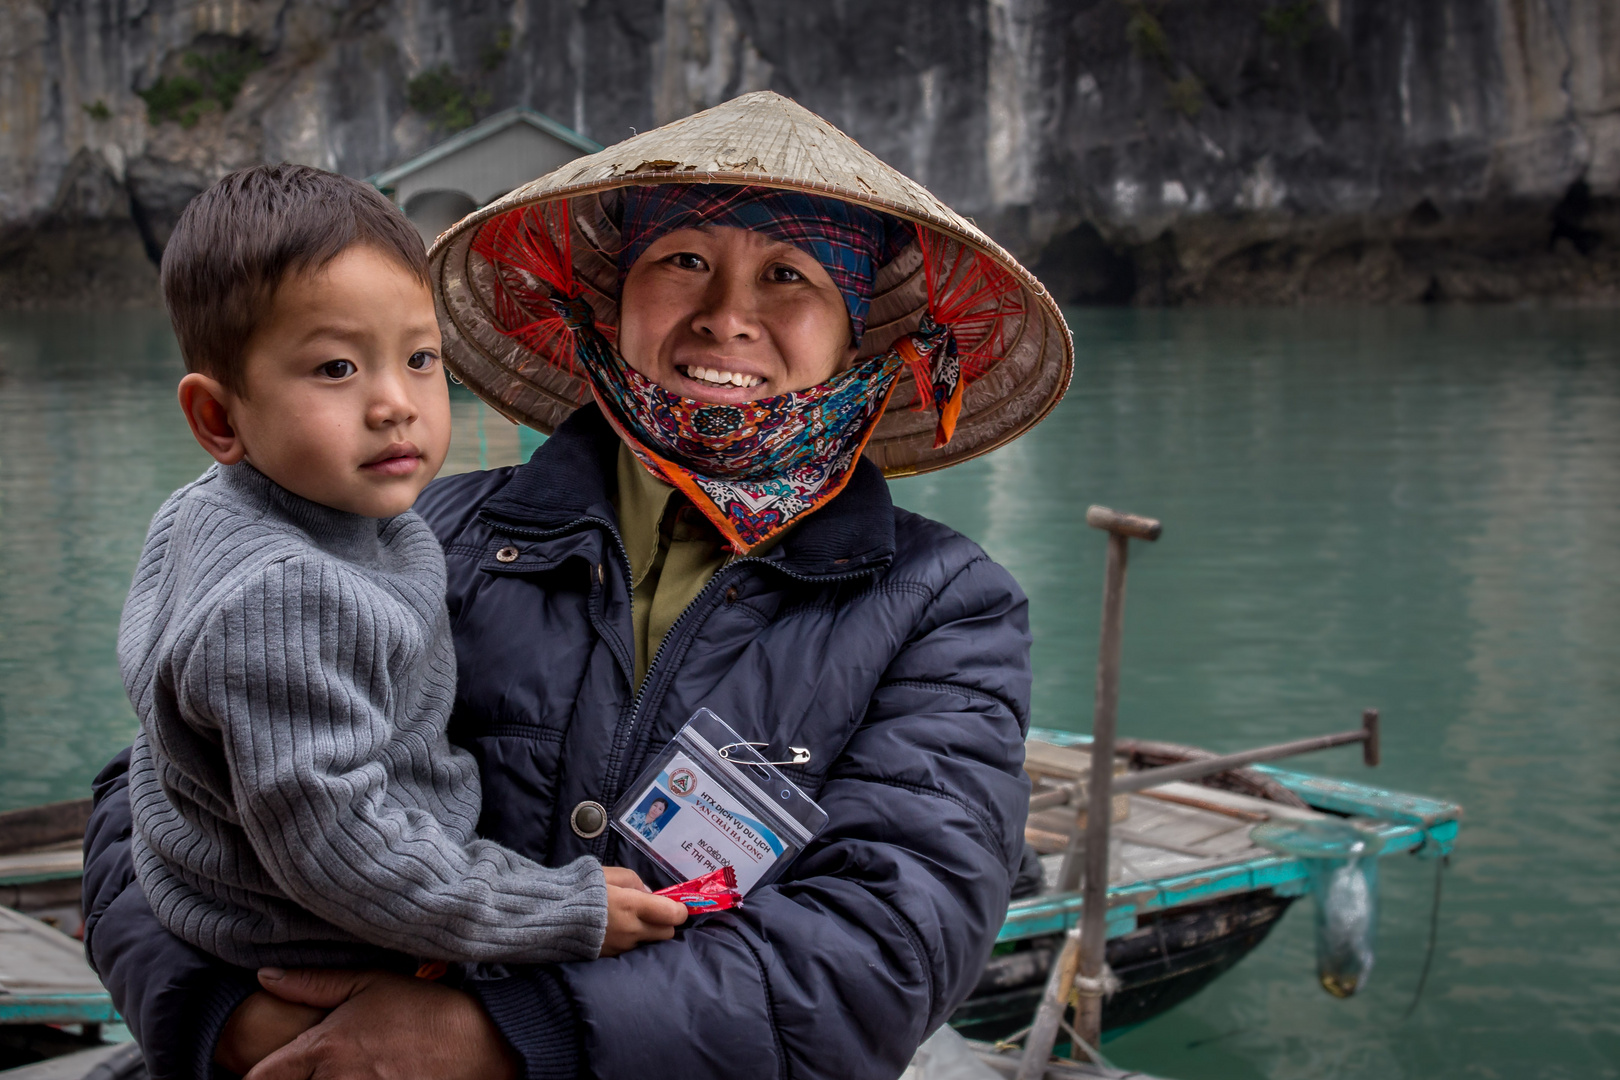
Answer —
(715, 891)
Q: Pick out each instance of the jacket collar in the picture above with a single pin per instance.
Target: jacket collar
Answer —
(568, 485)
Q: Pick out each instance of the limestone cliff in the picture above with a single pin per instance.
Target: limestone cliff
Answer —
(1149, 151)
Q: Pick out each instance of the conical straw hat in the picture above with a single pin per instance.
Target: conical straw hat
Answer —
(1017, 352)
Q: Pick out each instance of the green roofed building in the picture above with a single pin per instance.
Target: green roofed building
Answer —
(443, 184)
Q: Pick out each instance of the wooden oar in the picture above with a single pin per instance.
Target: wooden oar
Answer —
(1367, 735)
(1093, 918)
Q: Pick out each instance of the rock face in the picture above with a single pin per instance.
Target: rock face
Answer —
(1146, 151)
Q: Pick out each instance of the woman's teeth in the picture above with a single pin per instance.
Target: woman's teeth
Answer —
(721, 378)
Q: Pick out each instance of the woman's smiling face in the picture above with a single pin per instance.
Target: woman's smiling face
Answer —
(729, 315)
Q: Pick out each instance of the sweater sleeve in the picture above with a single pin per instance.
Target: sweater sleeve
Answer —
(295, 670)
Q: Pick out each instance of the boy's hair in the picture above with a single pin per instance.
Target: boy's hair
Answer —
(239, 240)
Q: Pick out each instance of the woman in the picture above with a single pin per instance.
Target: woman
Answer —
(712, 530)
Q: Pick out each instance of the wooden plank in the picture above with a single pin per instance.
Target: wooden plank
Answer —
(58, 1009)
(1142, 839)
(44, 978)
(34, 866)
(39, 826)
(1350, 797)
(1059, 762)
(1324, 793)
(1157, 839)
(1233, 803)
(116, 1059)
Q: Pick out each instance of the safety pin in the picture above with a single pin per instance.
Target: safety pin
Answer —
(801, 756)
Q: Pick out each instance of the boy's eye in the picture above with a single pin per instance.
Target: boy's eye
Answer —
(337, 369)
(421, 361)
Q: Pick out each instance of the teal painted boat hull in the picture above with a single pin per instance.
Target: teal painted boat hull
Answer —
(1203, 923)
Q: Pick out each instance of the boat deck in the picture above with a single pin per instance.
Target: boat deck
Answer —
(44, 978)
(1182, 844)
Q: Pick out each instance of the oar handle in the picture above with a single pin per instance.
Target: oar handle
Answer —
(1141, 528)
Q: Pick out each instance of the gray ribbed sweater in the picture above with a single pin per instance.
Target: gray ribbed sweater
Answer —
(294, 795)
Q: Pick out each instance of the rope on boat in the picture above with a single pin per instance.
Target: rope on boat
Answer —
(1434, 933)
(1105, 985)
(1091, 1051)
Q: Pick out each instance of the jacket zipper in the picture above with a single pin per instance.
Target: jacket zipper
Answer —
(725, 573)
(642, 691)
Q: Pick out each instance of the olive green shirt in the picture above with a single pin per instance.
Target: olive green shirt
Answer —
(674, 551)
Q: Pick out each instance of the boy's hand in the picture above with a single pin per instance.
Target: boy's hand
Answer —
(635, 914)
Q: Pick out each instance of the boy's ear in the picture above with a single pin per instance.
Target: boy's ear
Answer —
(204, 401)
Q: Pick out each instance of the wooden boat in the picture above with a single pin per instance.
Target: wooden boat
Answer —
(51, 1003)
(1189, 893)
(41, 861)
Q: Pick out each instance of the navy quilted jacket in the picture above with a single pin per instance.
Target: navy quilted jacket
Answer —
(890, 646)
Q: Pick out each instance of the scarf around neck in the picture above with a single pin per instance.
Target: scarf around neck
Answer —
(753, 469)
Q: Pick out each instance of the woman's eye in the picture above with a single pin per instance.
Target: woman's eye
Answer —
(421, 361)
(687, 261)
(785, 274)
(337, 369)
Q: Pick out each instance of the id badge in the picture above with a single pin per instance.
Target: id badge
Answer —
(710, 800)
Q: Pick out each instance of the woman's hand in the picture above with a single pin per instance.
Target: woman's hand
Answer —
(635, 914)
(382, 1024)
(261, 1025)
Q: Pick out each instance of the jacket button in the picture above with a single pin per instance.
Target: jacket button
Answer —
(588, 819)
(507, 554)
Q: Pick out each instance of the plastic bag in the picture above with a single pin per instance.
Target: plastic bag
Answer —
(1342, 861)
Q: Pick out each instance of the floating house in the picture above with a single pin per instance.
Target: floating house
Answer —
(440, 186)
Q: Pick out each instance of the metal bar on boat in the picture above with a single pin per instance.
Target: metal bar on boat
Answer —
(1094, 916)
(1061, 795)
(1065, 794)
(1194, 770)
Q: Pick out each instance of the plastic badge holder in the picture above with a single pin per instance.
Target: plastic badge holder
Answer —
(709, 800)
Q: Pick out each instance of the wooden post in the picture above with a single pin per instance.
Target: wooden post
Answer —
(1085, 947)
(1054, 1003)
(1099, 796)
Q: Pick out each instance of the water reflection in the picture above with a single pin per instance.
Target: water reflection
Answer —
(1410, 509)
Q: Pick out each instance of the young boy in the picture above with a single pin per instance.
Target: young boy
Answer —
(286, 642)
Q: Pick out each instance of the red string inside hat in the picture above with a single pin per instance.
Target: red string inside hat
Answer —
(531, 252)
(970, 293)
(961, 337)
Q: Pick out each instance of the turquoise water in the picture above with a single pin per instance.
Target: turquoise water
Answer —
(1413, 509)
